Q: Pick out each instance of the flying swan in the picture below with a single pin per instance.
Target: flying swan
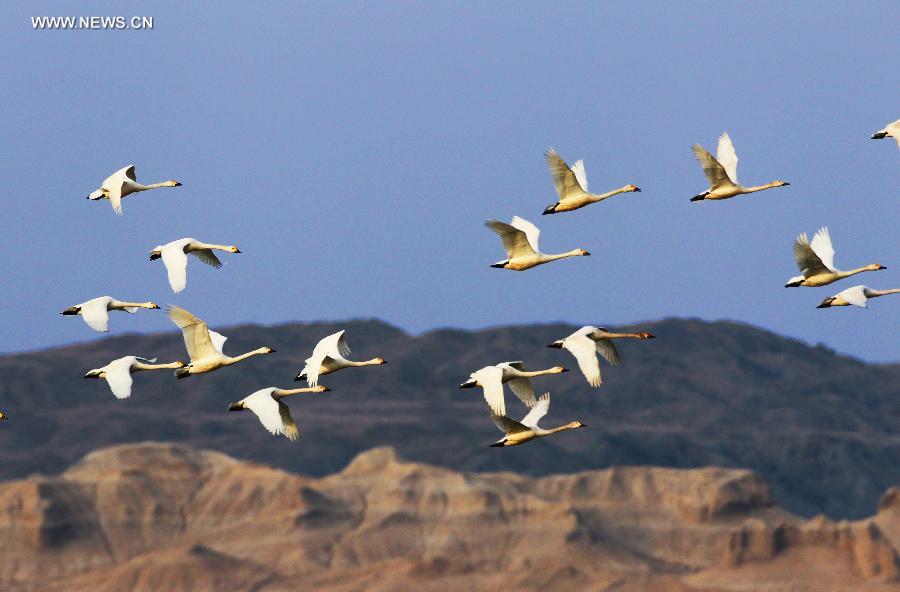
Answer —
(585, 343)
(572, 185)
(204, 346)
(519, 432)
(95, 312)
(520, 239)
(855, 296)
(815, 259)
(118, 373)
(272, 412)
(174, 257)
(328, 357)
(721, 172)
(519, 380)
(122, 183)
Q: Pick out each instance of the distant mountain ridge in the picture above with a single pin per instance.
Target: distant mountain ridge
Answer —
(823, 428)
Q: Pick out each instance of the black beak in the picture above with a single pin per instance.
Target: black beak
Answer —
(238, 251)
(786, 183)
(565, 369)
(177, 183)
(637, 189)
(272, 351)
(556, 344)
(236, 407)
(586, 254)
(584, 425)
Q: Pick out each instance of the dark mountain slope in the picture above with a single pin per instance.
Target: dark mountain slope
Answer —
(825, 429)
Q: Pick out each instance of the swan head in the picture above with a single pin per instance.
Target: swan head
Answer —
(239, 406)
(378, 361)
(634, 188)
(779, 183)
(876, 267)
(173, 183)
(646, 335)
(266, 350)
(180, 363)
(152, 305)
(471, 383)
(559, 369)
(233, 249)
(556, 344)
(576, 424)
(582, 253)
(94, 374)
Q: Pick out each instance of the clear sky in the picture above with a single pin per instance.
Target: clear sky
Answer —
(353, 150)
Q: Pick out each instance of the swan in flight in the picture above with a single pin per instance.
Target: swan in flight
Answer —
(572, 185)
(856, 296)
(721, 172)
(174, 257)
(519, 432)
(890, 130)
(585, 343)
(815, 259)
(118, 373)
(328, 357)
(95, 312)
(204, 346)
(519, 380)
(520, 239)
(268, 406)
(122, 183)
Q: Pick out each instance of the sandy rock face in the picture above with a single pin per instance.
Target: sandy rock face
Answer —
(166, 517)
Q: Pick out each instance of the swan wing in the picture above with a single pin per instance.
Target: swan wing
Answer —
(515, 242)
(607, 349)
(715, 172)
(197, 341)
(267, 409)
(564, 178)
(856, 296)
(175, 260)
(821, 246)
(585, 352)
(507, 425)
(537, 412)
(118, 375)
(490, 378)
(580, 174)
(807, 260)
(532, 232)
(727, 157)
(218, 340)
(521, 388)
(95, 314)
(334, 346)
(208, 257)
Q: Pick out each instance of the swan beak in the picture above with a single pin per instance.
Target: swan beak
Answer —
(272, 351)
(878, 135)
(786, 183)
(236, 407)
(556, 344)
(467, 384)
(564, 370)
(637, 189)
(238, 251)
(650, 336)
(177, 183)
(584, 425)
(586, 254)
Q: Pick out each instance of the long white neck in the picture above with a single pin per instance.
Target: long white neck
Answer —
(572, 253)
(595, 197)
(121, 304)
(279, 393)
(197, 245)
(140, 187)
(846, 274)
(543, 432)
(137, 366)
(532, 373)
(759, 187)
(876, 293)
(234, 360)
(624, 336)
(372, 362)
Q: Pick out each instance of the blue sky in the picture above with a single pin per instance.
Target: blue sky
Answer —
(353, 150)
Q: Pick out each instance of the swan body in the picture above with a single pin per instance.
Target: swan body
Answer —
(587, 342)
(572, 186)
(815, 259)
(856, 296)
(118, 373)
(174, 257)
(122, 183)
(519, 432)
(890, 130)
(95, 312)
(328, 357)
(272, 412)
(519, 380)
(520, 239)
(721, 172)
(204, 346)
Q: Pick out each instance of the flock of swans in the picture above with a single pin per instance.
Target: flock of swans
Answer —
(815, 260)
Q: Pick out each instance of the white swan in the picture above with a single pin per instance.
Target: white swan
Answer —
(118, 373)
(519, 380)
(520, 239)
(855, 296)
(572, 185)
(519, 432)
(204, 346)
(272, 412)
(721, 172)
(328, 357)
(174, 256)
(890, 130)
(585, 343)
(95, 312)
(122, 183)
(816, 262)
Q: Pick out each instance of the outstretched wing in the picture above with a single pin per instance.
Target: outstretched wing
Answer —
(821, 246)
(118, 375)
(208, 257)
(585, 351)
(532, 232)
(288, 426)
(195, 332)
(856, 296)
(607, 349)
(507, 425)
(537, 412)
(564, 178)
(175, 260)
(218, 340)
(490, 378)
(515, 242)
(807, 260)
(580, 174)
(521, 388)
(715, 172)
(95, 314)
(727, 157)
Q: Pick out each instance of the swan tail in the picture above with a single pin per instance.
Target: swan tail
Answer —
(700, 197)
